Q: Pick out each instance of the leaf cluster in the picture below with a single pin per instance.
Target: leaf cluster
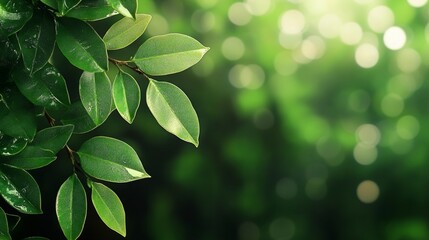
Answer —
(34, 88)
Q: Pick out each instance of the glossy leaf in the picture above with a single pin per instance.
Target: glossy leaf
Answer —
(20, 190)
(76, 115)
(37, 41)
(126, 31)
(109, 207)
(66, 5)
(92, 10)
(167, 54)
(127, 8)
(53, 138)
(31, 157)
(4, 228)
(46, 88)
(51, 3)
(71, 207)
(96, 95)
(126, 95)
(110, 160)
(9, 53)
(11, 146)
(16, 116)
(173, 110)
(13, 16)
(81, 45)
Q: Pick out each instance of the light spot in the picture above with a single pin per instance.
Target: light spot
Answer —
(248, 231)
(313, 47)
(394, 38)
(408, 127)
(364, 154)
(289, 41)
(329, 26)
(292, 22)
(247, 76)
(417, 3)
(286, 188)
(403, 85)
(368, 191)
(351, 33)
(392, 105)
(380, 18)
(233, 48)
(282, 229)
(368, 134)
(366, 55)
(258, 7)
(408, 60)
(238, 14)
(203, 21)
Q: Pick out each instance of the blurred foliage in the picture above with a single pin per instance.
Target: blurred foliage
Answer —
(313, 125)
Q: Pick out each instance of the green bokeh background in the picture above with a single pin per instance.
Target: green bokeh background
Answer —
(298, 140)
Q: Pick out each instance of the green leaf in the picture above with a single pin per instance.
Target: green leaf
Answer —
(96, 95)
(53, 138)
(126, 31)
(173, 110)
(10, 145)
(109, 207)
(66, 5)
(37, 41)
(76, 115)
(71, 207)
(16, 116)
(20, 190)
(4, 228)
(31, 157)
(9, 52)
(110, 160)
(126, 95)
(13, 16)
(51, 3)
(167, 54)
(127, 8)
(46, 88)
(81, 45)
(92, 10)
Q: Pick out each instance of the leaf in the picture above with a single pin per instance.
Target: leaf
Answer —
(109, 207)
(4, 228)
(46, 88)
(167, 54)
(51, 3)
(20, 190)
(126, 31)
(71, 207)
(9, 53)
(32, 157)
(173, 110)
(36, 41)
(126, 95)
(96, 95)
(53, 138)
(127, 8)
(10, 145)
(16, 116)
(76, 115)
(81, 45)
(66, 5)
(13, 16)
(13, 220)
(92, 10)
(110, 160)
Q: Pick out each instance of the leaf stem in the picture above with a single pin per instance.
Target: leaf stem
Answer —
(126, 64)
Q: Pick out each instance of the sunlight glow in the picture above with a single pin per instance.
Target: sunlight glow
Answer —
(417, 3)
(239, 14)
(329, 26)
(380, 18)
(366, 55)
(368, 191)
(233, 48)
(292, 22)
(394, 38)
(351, 33)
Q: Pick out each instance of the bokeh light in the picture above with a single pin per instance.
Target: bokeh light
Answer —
(368, 191)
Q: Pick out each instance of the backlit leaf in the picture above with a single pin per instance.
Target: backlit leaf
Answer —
(167, 54)
(127, 8)
(109, 207)
(173, 110)
(110, 160)
(81, 45)
(71, 207)
(126, 31)
(126, 95)
(20, 190)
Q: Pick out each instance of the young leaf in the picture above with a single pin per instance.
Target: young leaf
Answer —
(126, 31)
(53, 138)
(96, 95)
(127, 8)
(46, 88)
(173, 110)
(110, 160)
(81, 45)
(13, 16)
(71, 207)
(109, 207)
(20, 190)
(10, 146)
(126, 95)
(167, 54)
(66, 5)
(4, 228)
(37, 41)
(76, 115)
(31, 157)
(92, 10)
